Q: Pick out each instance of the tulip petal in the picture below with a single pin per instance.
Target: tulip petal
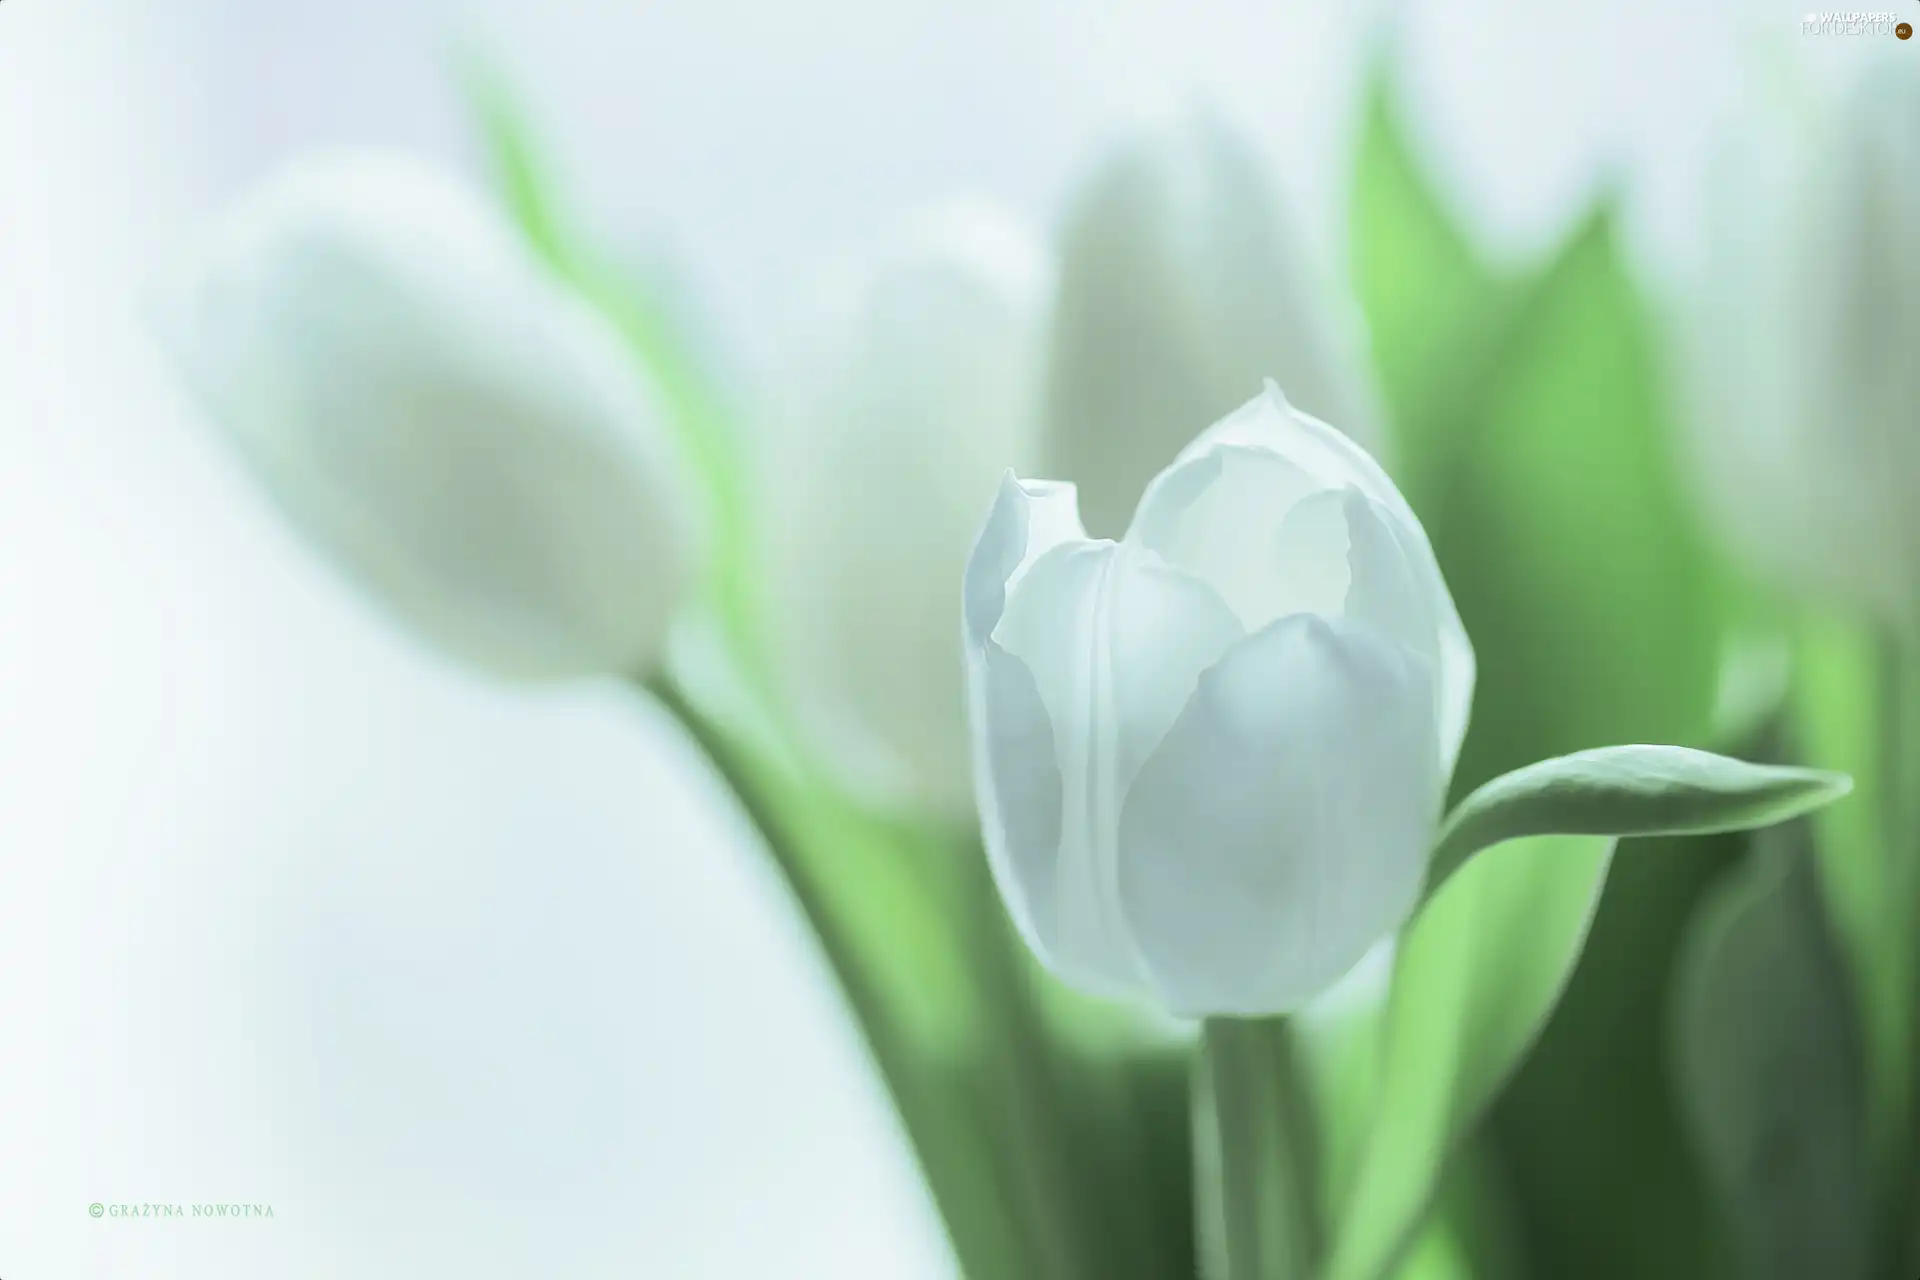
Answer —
(1028, 518)
(1016, 777)
(1225, 517)
(1208, 510)
(1017, 784)
(1110, 640)
(1280, 829)
(1385, 594)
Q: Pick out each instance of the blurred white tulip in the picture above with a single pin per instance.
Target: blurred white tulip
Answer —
(463, 436)
(946, 365)
(1211, 756)
(1806, 411)
(1183, 282)
(922, 395)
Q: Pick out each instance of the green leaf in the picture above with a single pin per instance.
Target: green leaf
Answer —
(1582, 575)
(1570, 546)
(1476, 976)
(1533, 436)
(1431, 303)
(1629, 791)
(515, 160)
(1845, 691)
(1770, 1070)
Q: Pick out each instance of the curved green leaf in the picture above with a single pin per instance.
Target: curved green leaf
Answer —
(1477, 974)
(1533, 435)
(1629, 791)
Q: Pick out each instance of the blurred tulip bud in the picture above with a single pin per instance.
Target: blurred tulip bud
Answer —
(468, 440)
(1807, 409)
(1182, 284)
(922, 396)
(1211, 756)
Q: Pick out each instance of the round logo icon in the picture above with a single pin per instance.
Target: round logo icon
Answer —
(1904, 30)
(96, 1209)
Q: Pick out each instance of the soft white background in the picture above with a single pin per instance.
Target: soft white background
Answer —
(466, 981)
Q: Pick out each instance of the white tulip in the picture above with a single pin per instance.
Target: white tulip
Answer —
(1183, 282)
(1807, 393)
(462, 435)
(1211, 756)
(922, 396)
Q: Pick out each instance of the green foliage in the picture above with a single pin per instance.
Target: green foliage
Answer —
(1768, 1056)
(1048, 1159)
(1845, 691)
(1475, 977)
(1533, 439)
(1531, 433)
(1431, 303)
(1629, 791)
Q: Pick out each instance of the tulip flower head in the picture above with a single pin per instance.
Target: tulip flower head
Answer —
(1210, 757)
(467, 439)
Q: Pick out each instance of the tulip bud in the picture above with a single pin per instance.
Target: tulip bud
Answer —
(1210, 757)
(922, 396)
(1182, 284)
(1807, 406)
(460, 434)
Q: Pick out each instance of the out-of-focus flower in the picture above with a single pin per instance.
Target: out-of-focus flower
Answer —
(1182, 283)
(1182, 288)
(921, 396)
(1211, 756)
(1806, 421)
(467, 439)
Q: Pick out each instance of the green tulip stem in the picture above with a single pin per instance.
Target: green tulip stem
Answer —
(1256, 1153)
(987, 1228)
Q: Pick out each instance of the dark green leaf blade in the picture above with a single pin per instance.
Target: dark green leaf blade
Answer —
(1770, 1069)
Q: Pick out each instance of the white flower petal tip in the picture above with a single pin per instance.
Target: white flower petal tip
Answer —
(1028, 518)
(466, 439)
(1210, 757)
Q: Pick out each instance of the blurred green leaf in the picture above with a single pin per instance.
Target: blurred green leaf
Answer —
(1476, 975)
(1431, 303)
(1595, 609)
(1840, 710)
(1598, 616)
(1629, 791)
(1533, 440)
(1770, 1068)
(511, 151)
